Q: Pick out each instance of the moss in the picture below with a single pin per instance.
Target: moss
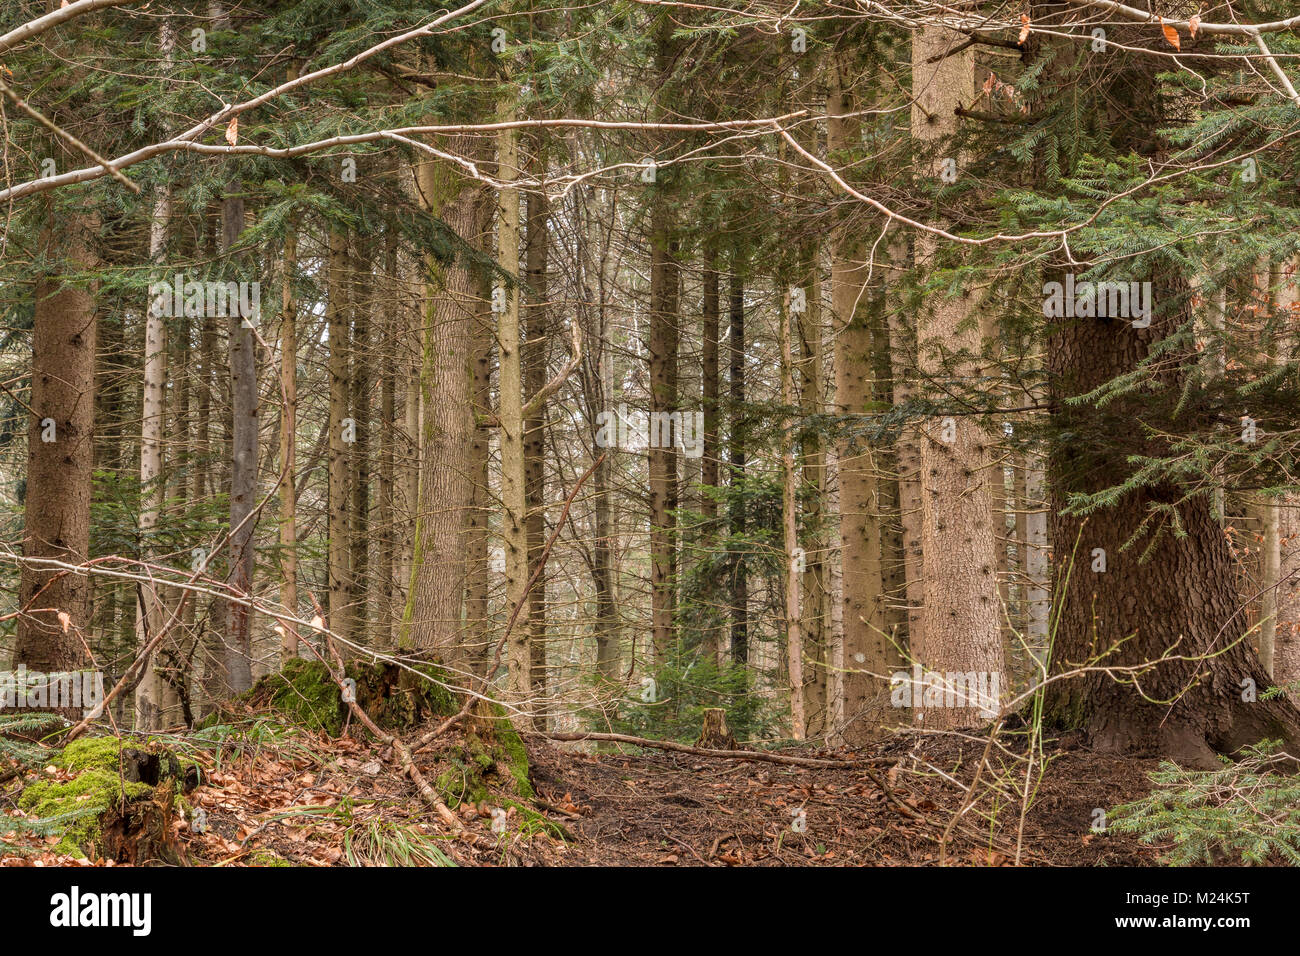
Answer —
(85, 753)
(514, 754)
(461, 783)
(534, 822)
(396, 700)
(494, 758)
(97, 786)
(304, 692)
(267, 858)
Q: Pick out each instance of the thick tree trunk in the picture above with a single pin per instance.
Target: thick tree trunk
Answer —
(868, 656)
(1164, 616)
(433, 621)
(902, 349)
(60, 449)
(962, 615)
(1174, 597)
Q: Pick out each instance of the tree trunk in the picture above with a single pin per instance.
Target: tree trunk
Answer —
(387, 539)
(243, 474)
(288, 447)
(1166, 605)
(868, 656)
(60, 448)
(433, 620)
(710, 315)
(665, 284)
(737, 522)
(342, 434)
(155, 702)
(794, 564)
(361, 384)
(814, 579)
(535, 351)
(514, 530)
(662, 454)
(962, 616)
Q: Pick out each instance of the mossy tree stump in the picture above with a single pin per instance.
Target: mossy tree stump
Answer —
(121, 800)
(491, 757)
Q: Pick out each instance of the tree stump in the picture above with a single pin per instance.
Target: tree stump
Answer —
(129, 796)
(715, 735)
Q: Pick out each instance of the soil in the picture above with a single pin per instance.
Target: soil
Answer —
(308, 803)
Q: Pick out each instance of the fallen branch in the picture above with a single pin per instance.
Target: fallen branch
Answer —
(409, 768)
(760, 756)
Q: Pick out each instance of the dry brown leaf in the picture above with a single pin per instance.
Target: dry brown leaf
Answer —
(1170, 34)
(1194, 24)
(1024, 28)
(232, 131)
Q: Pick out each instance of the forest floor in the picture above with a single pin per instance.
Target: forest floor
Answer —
(680, 809)
(298, 798)
(672, 809)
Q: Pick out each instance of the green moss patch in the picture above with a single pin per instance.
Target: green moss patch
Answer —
(123, 798)
(493, 760)
(395, 699)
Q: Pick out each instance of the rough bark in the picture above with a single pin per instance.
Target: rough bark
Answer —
(433, 620)
(340, 498)
(288, 446)
(736, 440)
(56, 517)
(243, 475)
(868, 656)
(959, 561)
(535, 349)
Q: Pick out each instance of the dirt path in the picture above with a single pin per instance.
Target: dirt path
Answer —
(676, 809)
